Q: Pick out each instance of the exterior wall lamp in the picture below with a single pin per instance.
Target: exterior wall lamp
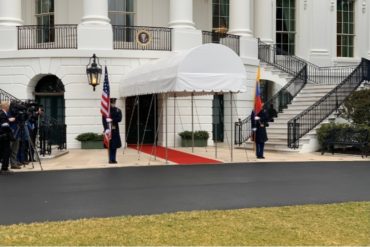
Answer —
(94, 71)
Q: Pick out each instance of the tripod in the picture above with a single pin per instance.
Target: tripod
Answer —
(32, 151)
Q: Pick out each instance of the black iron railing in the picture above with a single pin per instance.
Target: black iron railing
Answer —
(314, 115)
(284, 96)
(281, 99)
(302, 71)
(229, 40)
(291, 64)
(327, 75)
(47, 37)
(50, 131)
(5, 96)
(142, 38)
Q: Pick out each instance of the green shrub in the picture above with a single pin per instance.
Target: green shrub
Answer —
(89, 137)
(357, 107)
(200, 134)
(325, 129)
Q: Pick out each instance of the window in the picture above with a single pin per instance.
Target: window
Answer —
(121, 13)
(45, 21)
(285, 26)
(345, 28)
(220, 10)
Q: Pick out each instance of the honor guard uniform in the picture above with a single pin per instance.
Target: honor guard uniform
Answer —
(111, 126)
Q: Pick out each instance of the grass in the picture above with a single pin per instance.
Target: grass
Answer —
(332, 224)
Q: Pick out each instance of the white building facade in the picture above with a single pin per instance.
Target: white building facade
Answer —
(45, 46)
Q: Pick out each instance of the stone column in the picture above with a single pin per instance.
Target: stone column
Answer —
(184, 34)
(181, 14)
(96, 12)
(10, 13)
(366, 9)
(240, 18)
(10, 18)
(264, 17)
(95, 30)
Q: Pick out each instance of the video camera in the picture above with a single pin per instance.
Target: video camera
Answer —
(23, 111)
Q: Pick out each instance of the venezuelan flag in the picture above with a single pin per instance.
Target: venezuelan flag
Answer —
(257, 97)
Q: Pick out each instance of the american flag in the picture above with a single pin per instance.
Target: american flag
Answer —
(105, 106)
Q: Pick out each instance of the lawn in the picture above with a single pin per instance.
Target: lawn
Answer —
(332, 224)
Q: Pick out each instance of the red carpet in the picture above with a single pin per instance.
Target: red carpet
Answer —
(175, 155)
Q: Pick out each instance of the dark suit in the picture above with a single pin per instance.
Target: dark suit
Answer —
(6, 136)
(260, 134)
(115, 142)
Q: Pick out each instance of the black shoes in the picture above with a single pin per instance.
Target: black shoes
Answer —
(260, 157)
(113, 162)
(15, 166)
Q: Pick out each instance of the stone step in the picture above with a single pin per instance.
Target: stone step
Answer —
(313, 93)
(297, 107)
(278, 131)
(313, 85)
(307, 98)
(292, 111)
(286, 115)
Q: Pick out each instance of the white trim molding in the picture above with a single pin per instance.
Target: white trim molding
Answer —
(363, 6)
(332, 5)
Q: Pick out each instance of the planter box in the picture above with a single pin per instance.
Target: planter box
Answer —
(197, 142)
(92, 145)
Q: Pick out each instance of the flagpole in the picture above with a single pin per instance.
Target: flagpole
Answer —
(105, 110)
(256, 91)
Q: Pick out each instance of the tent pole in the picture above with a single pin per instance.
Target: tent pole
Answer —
(155, 127)
(166, 99)
(216, 125)
(231, 127)
(137, 125)
(192, 122)
(174, 121)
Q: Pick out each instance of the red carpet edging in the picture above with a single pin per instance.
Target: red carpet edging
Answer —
(175, 156)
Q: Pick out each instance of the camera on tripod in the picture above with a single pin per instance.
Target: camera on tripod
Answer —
(26, 115)
(23, 111)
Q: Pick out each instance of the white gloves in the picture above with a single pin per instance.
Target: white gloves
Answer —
(107, 131)
(109, 120)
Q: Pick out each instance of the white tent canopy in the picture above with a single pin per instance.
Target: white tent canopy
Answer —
(209, 68)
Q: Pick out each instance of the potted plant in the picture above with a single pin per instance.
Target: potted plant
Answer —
(200, 138)
(90, 140)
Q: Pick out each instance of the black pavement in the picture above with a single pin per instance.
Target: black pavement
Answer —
(72, 194)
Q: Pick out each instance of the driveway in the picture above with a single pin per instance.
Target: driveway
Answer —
(73, 194)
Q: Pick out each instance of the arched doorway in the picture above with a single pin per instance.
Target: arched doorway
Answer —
(49, 92)
(268, 89)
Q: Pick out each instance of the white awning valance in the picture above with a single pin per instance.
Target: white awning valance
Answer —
(209, 68)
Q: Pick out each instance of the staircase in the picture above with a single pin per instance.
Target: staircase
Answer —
(307, 100)
(278, 132)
